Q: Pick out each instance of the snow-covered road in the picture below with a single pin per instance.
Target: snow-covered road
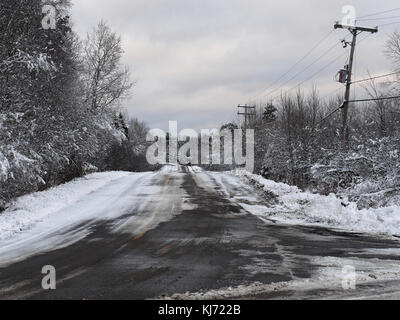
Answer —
(180, 233)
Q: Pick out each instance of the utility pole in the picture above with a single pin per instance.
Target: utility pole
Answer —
(355, 31)
(248, 112)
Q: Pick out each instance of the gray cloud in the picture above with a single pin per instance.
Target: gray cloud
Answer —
(194, 61)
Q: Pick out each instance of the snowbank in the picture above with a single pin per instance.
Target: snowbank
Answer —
(174, 167)
(169, 168)
(295, 206)
(195, 169)
(33, 208)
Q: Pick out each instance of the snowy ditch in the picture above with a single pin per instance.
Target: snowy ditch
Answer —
(290, 205)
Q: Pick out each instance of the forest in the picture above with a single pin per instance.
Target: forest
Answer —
(60, 102)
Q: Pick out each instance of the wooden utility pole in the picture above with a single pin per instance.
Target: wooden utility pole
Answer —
(248, 112)
(355, 31)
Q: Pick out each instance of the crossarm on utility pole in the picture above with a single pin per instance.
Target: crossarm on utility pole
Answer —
(363, 29)
(247, 113)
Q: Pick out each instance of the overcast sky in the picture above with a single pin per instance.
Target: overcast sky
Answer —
(194, 61)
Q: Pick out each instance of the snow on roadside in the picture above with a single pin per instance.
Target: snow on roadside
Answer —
(195, 169)
(28, 210)
(169, 168)
(174, 167)
(329, 275)
(294, 206)
(301, 286)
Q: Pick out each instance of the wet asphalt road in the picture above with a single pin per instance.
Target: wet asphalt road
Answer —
(212, 243)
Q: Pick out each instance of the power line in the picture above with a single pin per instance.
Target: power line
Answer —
(354, 101)
(388, 24)
(375, 99)
(379, 13)
(373, 78)
(388, 81)
(301, 71)
(319, 58)
(295, 65)
(329, 115)
(304, 69)
(313, 75)
(375, 19)
(320, 70)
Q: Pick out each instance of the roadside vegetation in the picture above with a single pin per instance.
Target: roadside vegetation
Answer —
(298, 142)
(60, 101)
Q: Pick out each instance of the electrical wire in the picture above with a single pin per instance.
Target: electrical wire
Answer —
(375, 19)
(320, 70)
(388, 24)
(319, 58)
(375, 99)
(376, 77)
(314, 74)
(354, 101)
(294, 65)
(329, 115)
(304, 69)
(379, 13)
(357, 81)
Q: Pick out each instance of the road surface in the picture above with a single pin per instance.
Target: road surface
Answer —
(187, 232)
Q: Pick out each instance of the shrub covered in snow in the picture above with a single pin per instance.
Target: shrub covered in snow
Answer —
(297, 146)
